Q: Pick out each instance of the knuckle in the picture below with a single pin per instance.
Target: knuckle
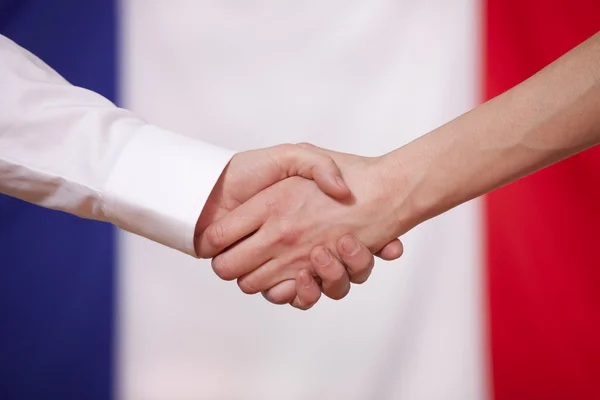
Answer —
(306, 146)
(301, 259)
(286, 147)
(215, 235)
(222, 268)
(287, 234)
(247, 285)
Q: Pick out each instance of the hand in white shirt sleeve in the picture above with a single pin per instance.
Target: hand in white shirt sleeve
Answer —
(70, 149)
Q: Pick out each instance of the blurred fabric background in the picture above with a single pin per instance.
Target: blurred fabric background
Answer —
(498, 298)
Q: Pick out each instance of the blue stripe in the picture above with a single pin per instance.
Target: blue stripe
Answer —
(57, 271)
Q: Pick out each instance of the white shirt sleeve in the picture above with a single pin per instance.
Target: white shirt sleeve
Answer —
(70, 149)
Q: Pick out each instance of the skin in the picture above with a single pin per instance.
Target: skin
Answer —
(287, 228)
(285, 216)
(251, 172)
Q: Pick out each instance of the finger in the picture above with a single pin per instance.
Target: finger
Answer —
(282, 293)
(295, 160)
(335, 279)
(308, 291)
(285, 292)
(269, 274)
(312, 147)
(234, 226)
(246, 256)
(357, 257)
(391, 251)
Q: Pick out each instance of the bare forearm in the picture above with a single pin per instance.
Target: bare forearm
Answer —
(545, 119)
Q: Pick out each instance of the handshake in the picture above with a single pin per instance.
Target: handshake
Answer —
(294, 220)
(283, 221)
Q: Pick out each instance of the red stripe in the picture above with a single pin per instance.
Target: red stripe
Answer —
(543, 232)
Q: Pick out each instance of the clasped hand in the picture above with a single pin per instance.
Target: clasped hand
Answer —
(283, 221)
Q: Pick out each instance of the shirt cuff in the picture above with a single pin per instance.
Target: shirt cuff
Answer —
(159, 186)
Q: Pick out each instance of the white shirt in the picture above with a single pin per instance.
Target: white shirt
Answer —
(70, 149)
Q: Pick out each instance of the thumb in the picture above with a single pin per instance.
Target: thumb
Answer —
(297, 161)
(391, 251)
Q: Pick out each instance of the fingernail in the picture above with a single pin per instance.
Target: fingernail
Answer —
(341, 182)
(305, 279)
(350, 246)
(322, 257)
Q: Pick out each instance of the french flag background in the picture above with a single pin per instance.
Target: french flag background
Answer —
(496, 299)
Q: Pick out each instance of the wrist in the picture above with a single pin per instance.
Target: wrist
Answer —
(404, 178)
(394, 179)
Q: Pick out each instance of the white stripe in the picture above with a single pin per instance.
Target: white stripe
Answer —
(356, 76)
